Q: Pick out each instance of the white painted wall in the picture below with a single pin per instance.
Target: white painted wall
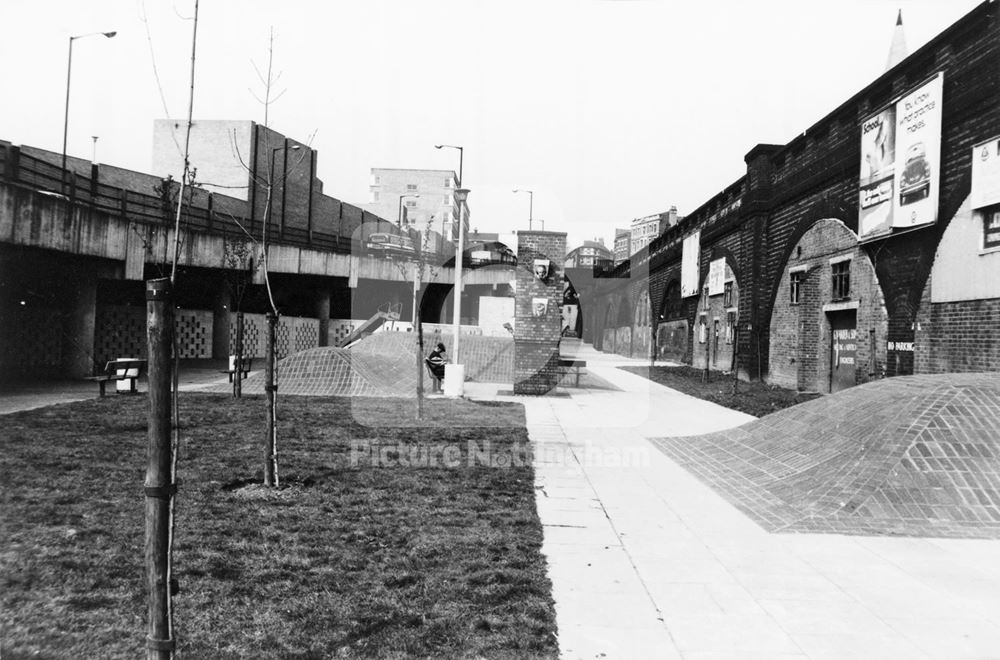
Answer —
(962, 270)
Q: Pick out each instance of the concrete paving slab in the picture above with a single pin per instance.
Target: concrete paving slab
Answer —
(692, 576)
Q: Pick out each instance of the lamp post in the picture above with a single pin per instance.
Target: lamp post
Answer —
(531, 204)
(399, 217)
(455, 385)
(69, 73)
(460, 155)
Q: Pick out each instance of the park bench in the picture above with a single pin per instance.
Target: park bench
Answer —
(576, 367)
(244, 368)
(129, 369)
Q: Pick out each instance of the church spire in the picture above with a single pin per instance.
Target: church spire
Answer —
(897, 51)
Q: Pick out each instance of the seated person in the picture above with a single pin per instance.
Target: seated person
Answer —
(435, 362)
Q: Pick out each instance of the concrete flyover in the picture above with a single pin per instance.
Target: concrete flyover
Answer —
(62, 259)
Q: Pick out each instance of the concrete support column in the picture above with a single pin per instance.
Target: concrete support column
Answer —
(221, 308)
(81, 319)
(323, 314)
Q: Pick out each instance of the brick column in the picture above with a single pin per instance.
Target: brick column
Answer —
(537, 326)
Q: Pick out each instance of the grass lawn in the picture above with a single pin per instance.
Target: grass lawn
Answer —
(756, 398)
(342, 561)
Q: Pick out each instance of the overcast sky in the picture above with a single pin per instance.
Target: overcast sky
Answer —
(608, 110)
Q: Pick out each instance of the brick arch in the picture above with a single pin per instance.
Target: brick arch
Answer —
(642, 322)
(719, 252)
(623, 317)
(672, 294)
(800, 332)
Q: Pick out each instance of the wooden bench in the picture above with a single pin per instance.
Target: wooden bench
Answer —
(118, 370)
(244, 369)
(567, 366)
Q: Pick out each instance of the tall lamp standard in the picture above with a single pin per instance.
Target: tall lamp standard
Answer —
(455, 386)
(531, 204)
(461, 152)
(69, 73)
(399, 218)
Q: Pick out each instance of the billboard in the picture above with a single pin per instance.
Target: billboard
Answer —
(689, 264)
(901, 163)
(986, 173)
(717, 277)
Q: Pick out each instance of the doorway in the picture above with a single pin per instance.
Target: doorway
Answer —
(843, 349)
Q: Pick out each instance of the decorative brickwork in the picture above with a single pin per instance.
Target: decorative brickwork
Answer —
(537, 316)
(905, 456)
(758, 221)
(800, 332)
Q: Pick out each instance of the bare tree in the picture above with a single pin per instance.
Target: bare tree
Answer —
(418, 270)
(268, 80)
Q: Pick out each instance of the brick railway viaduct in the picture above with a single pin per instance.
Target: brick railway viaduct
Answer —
(926, 300)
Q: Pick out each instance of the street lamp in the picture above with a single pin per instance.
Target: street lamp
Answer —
(461, 153)
(399, 218)
(455, 385)
(531, 204)
(69, 72)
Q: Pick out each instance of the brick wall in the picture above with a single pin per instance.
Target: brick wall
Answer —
(787, 189)
(536, 336)
(799, 356)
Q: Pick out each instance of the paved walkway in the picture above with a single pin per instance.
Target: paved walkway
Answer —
(648, 562)
(195, 375)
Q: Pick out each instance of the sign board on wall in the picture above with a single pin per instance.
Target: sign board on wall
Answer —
(986, 173)
(689, 264)
(716, 277)
(901, 163)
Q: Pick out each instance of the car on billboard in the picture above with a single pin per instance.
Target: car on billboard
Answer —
(915, 180)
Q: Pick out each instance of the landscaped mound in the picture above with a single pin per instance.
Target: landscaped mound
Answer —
(383, 364)
(909, 455)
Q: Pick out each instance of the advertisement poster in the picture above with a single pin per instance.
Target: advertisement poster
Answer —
(878, 159)
(986, 173)
(716, 277)
(901, 163)
(918, 159)
(689, 265)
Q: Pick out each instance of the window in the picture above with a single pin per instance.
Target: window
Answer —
(375, 195)
(991, 227)
(447, 200)
(411, 187)
(411, 203)
(795, 287)
(841, 280)
(702, 330)
(730, 326)
(447, 183)
(377, 179)
(727, 295)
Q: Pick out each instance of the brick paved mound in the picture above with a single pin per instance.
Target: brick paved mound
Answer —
(914, 455)
(486, 359)
(383, 364)
(329, 371)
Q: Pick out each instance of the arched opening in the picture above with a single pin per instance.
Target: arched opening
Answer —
(672, 329)
(641, 338)
(714, 333)
(828, 322)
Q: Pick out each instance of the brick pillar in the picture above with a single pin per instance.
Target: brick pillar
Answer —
(221, 308)
(323, 314)
(537, 314)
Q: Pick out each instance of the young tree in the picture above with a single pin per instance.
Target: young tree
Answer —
(267, 182)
